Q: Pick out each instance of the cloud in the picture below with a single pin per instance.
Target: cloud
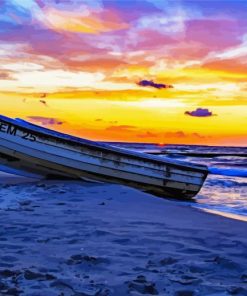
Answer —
(87, 21)
(229, 65)
(45, 120)
(178, 134)
(147, 135)
(43, 102)
(198, 136)
(5, 76)
(183, 135)
(199, 112)
(174, 135)
(55, 79)
(91, 64)
(75, 47)
(153, 84)
(120, 128)
(44, 95)
(215, 34)
(233, 52)
(163, 23)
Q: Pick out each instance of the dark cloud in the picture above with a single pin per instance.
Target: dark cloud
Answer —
(181, 134)
(153, 84)
(178, 134)
(148, 135)
(199, 136)
(171, 135)
(45, 120)
(43, 102)
(199, 112)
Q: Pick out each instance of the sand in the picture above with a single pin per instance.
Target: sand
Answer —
(81, 238)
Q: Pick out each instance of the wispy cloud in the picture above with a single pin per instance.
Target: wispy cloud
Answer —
(45, 120)
(120, 128)
(85, 21)
(5, 75)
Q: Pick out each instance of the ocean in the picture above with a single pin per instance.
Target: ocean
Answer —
(225, 190)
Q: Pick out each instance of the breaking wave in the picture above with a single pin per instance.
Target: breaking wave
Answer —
(228, 172)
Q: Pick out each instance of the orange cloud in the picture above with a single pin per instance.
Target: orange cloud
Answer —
(120, 128)
(88, 22)
(5, 75)
(96, 64)
(234, 66)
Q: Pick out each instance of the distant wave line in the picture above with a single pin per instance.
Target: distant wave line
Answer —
(228, 172)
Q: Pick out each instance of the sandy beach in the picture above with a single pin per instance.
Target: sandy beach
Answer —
(85, 239)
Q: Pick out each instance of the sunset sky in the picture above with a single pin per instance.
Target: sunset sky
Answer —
(155, 71)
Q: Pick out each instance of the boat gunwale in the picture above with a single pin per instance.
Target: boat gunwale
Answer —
(161, 170)
(160, 178)
(41, 131)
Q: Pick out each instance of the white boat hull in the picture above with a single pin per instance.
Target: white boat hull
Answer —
(40, 151)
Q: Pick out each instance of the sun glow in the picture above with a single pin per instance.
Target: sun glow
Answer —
(159, 103)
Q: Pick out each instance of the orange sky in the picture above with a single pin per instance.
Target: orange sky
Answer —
(101, 69)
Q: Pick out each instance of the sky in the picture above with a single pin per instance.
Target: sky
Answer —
(158, 71)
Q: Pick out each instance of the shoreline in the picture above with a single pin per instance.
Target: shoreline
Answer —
(81, 238)
(224, 214)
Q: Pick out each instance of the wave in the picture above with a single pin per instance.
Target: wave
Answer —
(226, 182)
(228, 172)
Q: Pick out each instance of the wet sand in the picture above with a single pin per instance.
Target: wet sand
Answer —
(84, 239)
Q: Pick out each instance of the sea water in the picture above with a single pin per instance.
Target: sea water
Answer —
(225, 189)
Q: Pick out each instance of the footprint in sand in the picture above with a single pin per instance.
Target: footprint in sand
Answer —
(184, 293)
(163, 262)
(31, 275)
(89, 260)
(142, 286)
(224, 263)
(185, 279)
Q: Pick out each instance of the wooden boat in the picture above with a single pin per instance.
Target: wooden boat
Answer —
(31, 148)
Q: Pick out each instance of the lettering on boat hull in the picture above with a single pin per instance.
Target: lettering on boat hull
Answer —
(14, 131)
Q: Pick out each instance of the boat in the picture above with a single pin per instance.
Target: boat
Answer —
(38, 150)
